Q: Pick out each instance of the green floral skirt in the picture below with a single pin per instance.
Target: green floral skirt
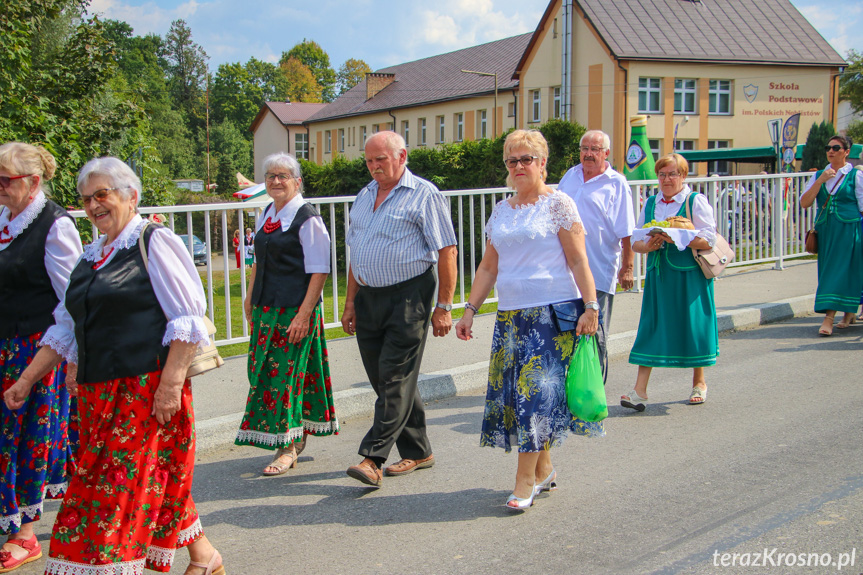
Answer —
(290, 391)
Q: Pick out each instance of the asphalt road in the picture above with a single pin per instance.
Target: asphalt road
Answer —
(771, 461)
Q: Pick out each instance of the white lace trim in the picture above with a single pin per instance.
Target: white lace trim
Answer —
(127, 238)
(550, 213)
(190, 533)
(27, 216)
(31, 511)
(60, 567)
(160, 555)
(66, 347)
(293, 434)
(186, 328)
(56, 489)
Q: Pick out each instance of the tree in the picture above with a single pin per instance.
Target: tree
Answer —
(315, 59)
(855, 131)
(813, 153)
(851, 83)
(302, 86)
(239, 91)
(351, 73)
(59, 87)
(187, 71)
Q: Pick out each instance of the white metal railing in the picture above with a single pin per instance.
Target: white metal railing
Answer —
(760, 229)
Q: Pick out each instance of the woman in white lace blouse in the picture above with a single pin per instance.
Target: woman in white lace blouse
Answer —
(132, 331)
(536, 255)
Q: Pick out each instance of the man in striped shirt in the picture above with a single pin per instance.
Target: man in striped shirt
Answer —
(400, 227)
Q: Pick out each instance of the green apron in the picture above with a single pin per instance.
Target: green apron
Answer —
(840, 249)
(678, 315)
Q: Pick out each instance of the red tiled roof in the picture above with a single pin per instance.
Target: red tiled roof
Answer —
(288, 113)
(435, 79)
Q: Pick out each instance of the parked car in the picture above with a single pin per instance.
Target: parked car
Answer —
(199, 249)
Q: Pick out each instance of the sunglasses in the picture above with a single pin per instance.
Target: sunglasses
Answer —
(98, 195)
(834, 147)
(524, 161)
(6, 180)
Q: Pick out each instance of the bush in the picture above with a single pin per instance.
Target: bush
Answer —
(813, 153)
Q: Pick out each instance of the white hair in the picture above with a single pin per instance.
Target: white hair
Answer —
(285, 161)
(606, 141)
(118, 173)
(393, 141)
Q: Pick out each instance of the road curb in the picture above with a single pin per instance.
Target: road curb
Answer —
(218, 432)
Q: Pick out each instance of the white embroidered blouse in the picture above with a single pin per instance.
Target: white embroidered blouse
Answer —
(62, 246)
(175, 282)
(532, 268)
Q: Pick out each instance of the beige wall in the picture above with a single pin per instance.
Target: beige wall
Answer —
(270, 137)
(542, 73)
(469, 107)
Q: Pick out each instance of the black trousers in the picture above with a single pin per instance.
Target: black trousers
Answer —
(605, 301)
(392, 323)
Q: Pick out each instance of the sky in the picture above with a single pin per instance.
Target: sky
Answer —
(385, 32)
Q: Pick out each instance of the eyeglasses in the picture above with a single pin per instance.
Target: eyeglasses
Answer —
(834, 147)
(98, 195)
(280, 177)
(594, 149)
(524, 161)
(668, 175)
(6, 180)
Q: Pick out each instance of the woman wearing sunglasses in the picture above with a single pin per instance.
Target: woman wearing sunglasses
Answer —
(536, 255)
(39, 246)
(838, 189)
(132, 328)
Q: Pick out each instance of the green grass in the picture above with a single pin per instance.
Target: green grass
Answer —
(236, 305)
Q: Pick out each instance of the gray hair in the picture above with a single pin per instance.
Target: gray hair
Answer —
(117, 171)
(606, 141)
(393, 141)
(285, 161)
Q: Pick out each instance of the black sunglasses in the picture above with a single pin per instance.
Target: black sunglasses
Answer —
(834, 147)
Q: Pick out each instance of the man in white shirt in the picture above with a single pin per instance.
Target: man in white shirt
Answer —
(604, 202)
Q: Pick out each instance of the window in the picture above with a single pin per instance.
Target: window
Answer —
(422, 124)
(720, 166)
(536, 97)
(301, 146)
(686, 146)
(482, 125)
(441, 130)
(649, 95)
(406, 132)
(684, 96)
(655, 148)
(342, 140)
(458, 130)
(719, 97)
(391, 126)
(328, 146)
(510, 110)
(376, 128)
(555, 108)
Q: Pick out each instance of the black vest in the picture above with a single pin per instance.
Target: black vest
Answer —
(27, 298)
(119, 324)
(280, 274)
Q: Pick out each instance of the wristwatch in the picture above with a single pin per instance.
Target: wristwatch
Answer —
(594, 305)
(444, 306)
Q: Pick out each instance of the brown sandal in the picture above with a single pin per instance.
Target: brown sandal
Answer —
(279, 466)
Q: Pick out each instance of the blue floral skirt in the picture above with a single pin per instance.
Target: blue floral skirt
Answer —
(36, 457)
(526, 398)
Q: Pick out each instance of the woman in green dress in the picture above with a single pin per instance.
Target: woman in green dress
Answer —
(678, 315)
(838, 188)
(290, 394)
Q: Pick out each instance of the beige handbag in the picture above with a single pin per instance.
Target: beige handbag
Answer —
(206, 358)
(712, 261)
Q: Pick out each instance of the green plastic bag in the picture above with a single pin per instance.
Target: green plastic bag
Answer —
(585, 393)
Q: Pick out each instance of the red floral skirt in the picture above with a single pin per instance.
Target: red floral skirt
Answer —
(130, 504)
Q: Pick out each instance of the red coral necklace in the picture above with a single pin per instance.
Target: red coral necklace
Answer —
(271, 226)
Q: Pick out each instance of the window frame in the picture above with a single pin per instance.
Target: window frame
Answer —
(422, 132)
(715, 164)
(458, 128)
(557, 103)
(301, 145)
(406, 132)
(482, 124)
(714, 97)
(441, 130)
(536, 106)
(328, 142)
(648, 89)
(684, 90)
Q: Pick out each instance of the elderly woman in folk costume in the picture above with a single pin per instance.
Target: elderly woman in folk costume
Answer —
(290, 395)
(39, 246)
(133, 332)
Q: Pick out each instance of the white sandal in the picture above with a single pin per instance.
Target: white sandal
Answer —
(633, 401)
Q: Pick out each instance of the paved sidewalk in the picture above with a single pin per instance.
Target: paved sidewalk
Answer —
(745, 298)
